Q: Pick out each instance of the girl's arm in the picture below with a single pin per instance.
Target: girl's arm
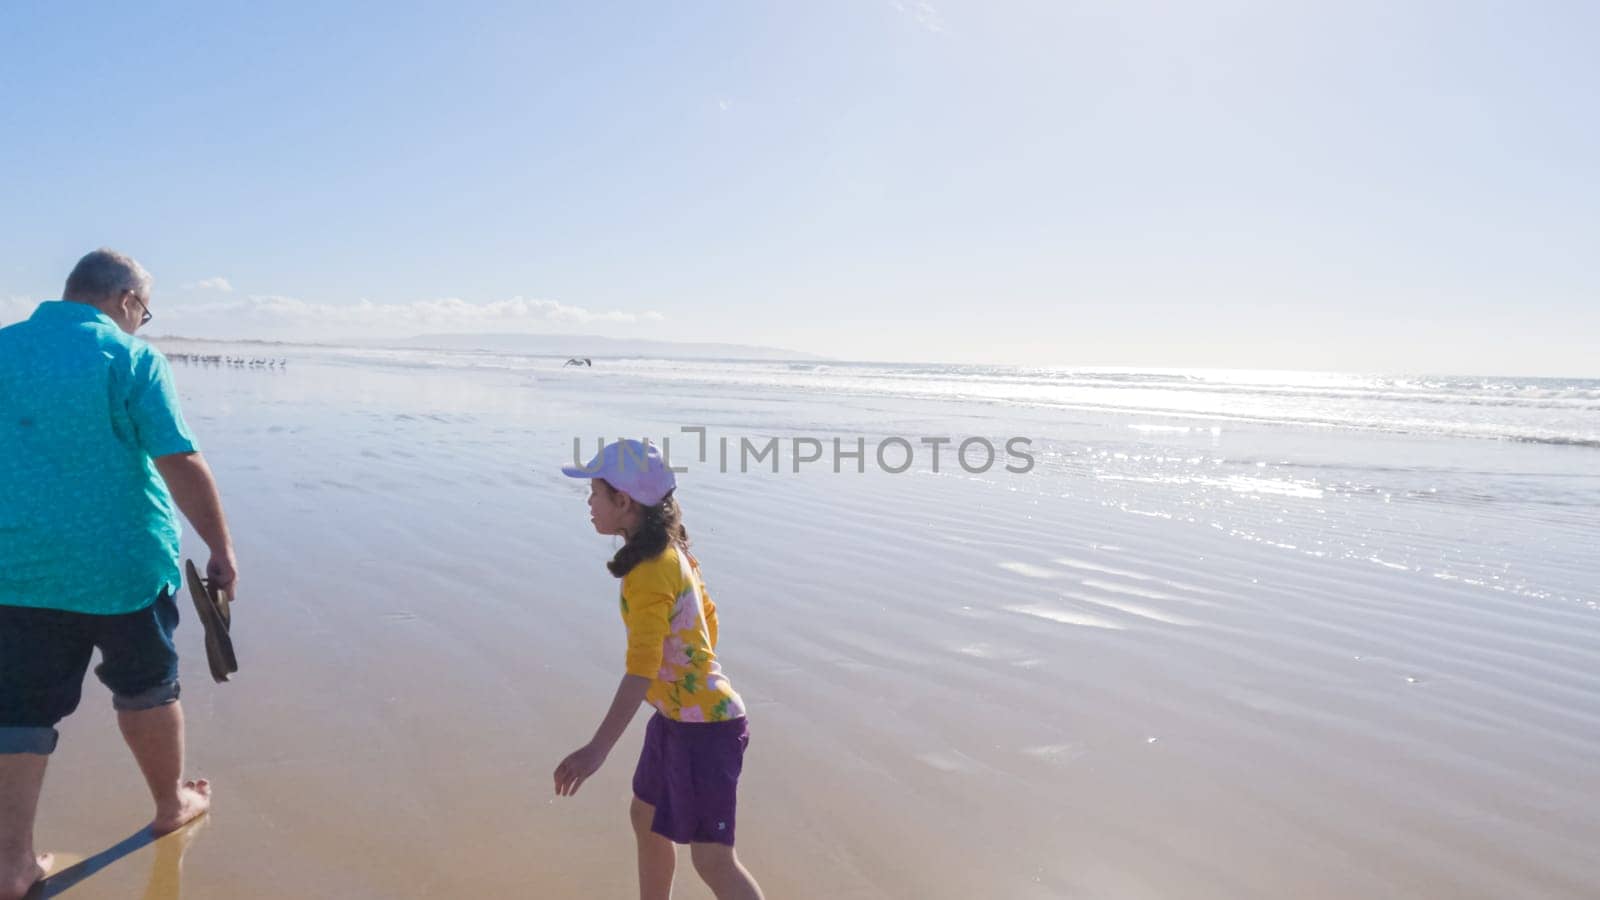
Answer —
(630, 693)
(587, 760)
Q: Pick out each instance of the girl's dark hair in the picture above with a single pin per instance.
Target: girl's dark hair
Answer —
(660, 526)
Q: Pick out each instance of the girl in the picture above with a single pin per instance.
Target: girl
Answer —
(687, 779)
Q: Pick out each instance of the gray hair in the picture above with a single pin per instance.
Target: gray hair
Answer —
(105, 274)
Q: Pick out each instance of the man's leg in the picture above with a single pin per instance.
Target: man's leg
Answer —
(155, 735)
(21, 777)
(43, 656)
(140, 666)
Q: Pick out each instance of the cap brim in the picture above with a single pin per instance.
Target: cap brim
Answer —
(577, 472)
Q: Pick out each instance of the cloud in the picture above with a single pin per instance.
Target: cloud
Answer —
(213, 284)
(14, 309)
(924, 13)
(288, 317)
(723, 105)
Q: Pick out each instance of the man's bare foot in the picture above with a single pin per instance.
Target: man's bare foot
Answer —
(194, 798)
(16, 887)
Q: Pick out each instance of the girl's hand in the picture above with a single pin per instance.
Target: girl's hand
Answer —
(577, 767)
(587, 760)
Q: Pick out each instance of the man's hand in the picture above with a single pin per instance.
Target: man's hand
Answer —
(577, 767)
(222, 573)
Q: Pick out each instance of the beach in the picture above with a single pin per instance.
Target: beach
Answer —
(1228, 636)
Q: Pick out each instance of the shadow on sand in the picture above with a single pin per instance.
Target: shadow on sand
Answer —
(166, 868)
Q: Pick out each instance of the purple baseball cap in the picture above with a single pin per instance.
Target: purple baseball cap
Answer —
(632, 467)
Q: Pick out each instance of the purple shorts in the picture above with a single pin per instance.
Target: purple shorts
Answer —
(689, 771)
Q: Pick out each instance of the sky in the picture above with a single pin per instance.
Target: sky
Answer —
(1353, 186)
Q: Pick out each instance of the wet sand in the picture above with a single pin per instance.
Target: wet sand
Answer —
(991, 686)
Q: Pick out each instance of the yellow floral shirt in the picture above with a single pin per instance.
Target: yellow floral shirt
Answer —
(672, 639)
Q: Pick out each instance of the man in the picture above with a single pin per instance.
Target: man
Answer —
(93, 453)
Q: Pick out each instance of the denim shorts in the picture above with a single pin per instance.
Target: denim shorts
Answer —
(44, 654)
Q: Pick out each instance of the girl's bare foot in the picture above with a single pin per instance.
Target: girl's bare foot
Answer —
(193, 799)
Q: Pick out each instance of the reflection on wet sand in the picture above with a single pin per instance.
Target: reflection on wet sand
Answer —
(166, 864)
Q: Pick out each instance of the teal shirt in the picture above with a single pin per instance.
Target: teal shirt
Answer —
(86, 522)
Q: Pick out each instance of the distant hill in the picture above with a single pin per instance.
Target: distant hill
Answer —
(594, 346)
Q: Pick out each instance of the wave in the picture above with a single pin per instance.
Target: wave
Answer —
(1555, 412)
(1556, 441)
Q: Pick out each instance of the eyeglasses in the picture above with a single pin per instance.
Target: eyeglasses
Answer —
(145, 319)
